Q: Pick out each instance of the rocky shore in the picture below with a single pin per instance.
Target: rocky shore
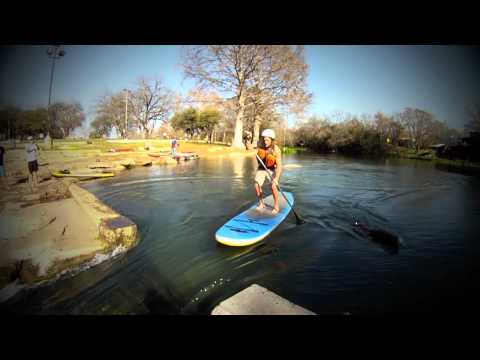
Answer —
(60, 226)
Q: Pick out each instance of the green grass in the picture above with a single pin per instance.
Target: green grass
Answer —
(294, 150)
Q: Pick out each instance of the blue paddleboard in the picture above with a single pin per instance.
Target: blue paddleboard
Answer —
(254, 225)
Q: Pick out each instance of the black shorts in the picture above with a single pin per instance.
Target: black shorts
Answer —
(32, 166)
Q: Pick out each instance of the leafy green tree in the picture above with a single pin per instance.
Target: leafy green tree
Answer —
(187, 120)
(208, 119)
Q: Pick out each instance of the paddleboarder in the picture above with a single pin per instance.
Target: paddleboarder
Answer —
(271, 156)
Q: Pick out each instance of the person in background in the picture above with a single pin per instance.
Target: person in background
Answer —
(3, 172)
(32, 150)
(174, 146)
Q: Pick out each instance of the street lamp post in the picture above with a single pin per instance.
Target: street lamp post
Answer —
(126, 112)
(54, 52)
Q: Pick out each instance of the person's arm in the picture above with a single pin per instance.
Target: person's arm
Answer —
(278, 169)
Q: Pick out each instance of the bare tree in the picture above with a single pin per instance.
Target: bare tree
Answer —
(474, 121)
(420, 126)
(111, 109)
(151, 102)
(275, 71)
(387, 127)
(68, 116)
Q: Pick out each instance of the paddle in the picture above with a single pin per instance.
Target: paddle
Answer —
(300, 221)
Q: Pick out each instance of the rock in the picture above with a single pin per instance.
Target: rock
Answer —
(101, 165)
(28, 272)
(32, 197)
(7, 275)
(57, 188)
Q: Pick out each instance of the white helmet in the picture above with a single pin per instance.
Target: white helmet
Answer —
(268, 133)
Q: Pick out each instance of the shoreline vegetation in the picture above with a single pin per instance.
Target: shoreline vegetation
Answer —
(61, 227)
(455, 165)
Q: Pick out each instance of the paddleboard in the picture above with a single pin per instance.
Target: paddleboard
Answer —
(83, 175)
(158, 154)
(186, 156)
(252, 225)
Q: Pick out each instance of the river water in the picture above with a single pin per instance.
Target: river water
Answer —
(323, 265)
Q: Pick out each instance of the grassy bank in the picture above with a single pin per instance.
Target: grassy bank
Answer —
(295, 150)
(463, 166)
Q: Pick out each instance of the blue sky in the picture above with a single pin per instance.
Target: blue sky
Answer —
(356, 79)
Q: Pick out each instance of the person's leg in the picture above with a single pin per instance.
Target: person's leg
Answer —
(276, 205)
(259, 180)
(3, 178)
(35, 179)
(259, 192)
(35, 173)
(30, 176)
(30, 181)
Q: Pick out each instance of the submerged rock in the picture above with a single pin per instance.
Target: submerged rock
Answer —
(379, 236)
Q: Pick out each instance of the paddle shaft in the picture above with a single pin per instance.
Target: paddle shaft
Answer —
(299, 220)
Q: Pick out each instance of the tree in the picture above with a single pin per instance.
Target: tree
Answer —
(387, 128)
(315, 133)
(210, 102)
(68, 116)
(186, 120)
(101, 126)
(111, 109)
(34, 122)
(275, 71)
(151, 102)
(9, 121)
(419, 124)
(280, 83)
(474, 121)
(207, 120)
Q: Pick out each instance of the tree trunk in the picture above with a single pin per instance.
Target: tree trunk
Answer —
(238, 135)
(256, 130)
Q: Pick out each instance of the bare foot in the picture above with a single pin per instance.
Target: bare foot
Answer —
(260, 207)
(275, 211)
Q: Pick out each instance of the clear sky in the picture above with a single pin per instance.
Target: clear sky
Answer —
(355, 79)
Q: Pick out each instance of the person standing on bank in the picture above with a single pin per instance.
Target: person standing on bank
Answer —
(174, 145)
(32, 150)
(271, 156)
(3, 172)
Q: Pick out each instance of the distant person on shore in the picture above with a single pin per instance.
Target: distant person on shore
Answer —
(3, 172)
(271, 156)
(32, 150)
(174, 146)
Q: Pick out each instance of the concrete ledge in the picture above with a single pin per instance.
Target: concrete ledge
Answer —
(256, 300)
(94, 208)
(118, 231)
(114, 229)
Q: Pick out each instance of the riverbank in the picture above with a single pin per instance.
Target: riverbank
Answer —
(61, 226)
(456, 165)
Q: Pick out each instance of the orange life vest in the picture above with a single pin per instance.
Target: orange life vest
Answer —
(268, 158)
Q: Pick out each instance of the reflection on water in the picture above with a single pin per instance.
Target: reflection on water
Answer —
(324, 265)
